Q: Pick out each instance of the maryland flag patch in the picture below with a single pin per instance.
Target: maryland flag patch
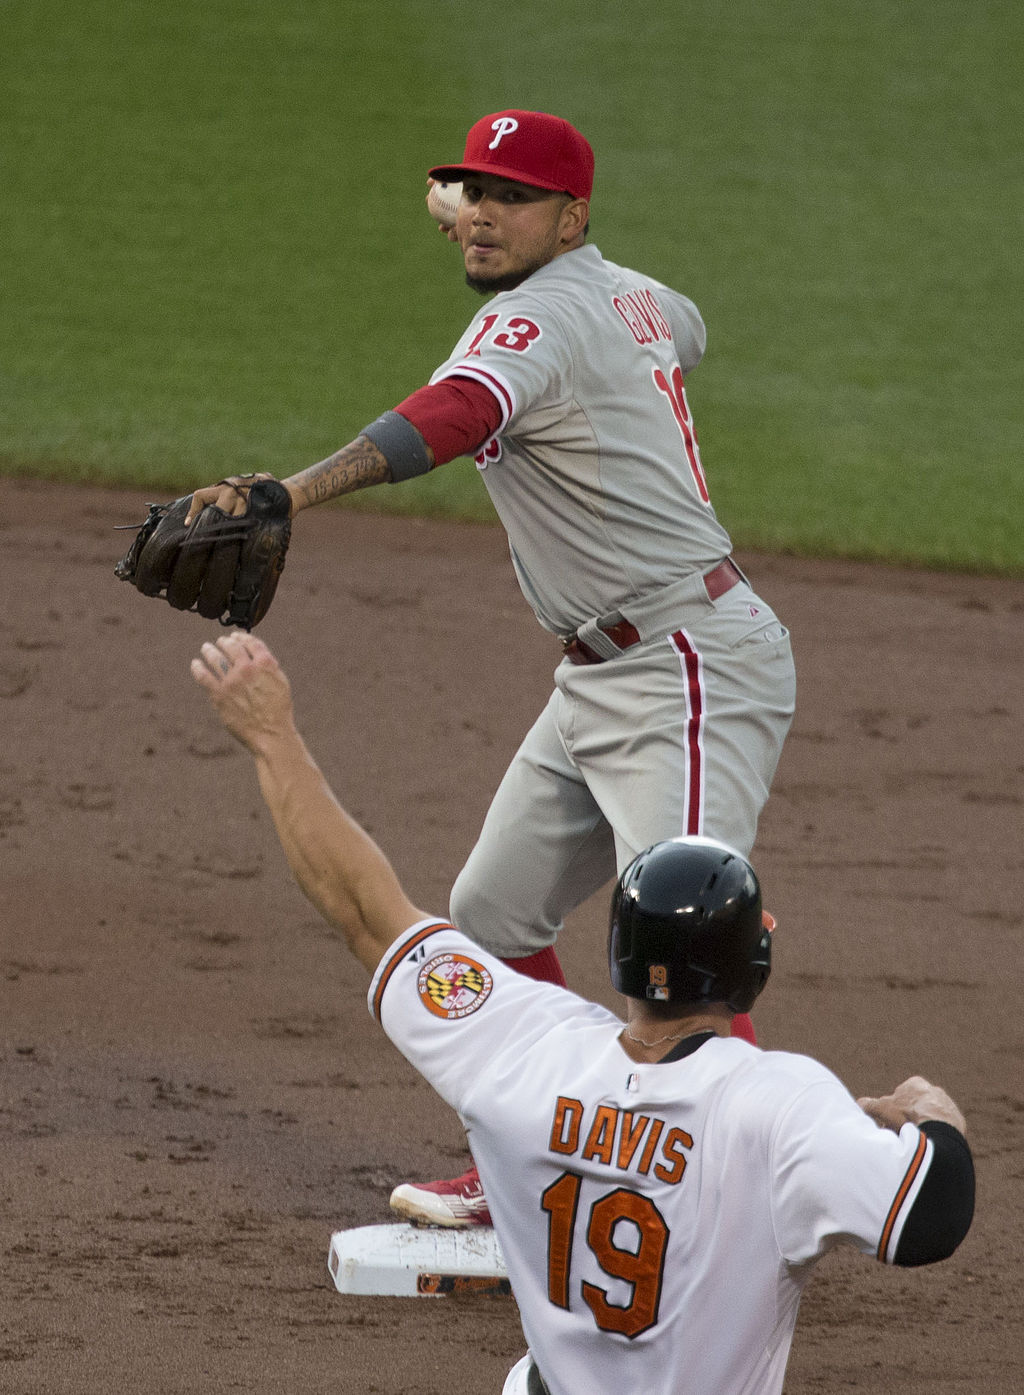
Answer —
(453, 986)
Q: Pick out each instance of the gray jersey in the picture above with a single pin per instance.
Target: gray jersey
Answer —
(595, 471)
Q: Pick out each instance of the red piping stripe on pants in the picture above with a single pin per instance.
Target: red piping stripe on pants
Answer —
(693, 680)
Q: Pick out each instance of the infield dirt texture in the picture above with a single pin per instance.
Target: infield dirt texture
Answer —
(194, 1095)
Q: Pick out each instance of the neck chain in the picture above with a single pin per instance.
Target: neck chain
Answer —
(676, 1036)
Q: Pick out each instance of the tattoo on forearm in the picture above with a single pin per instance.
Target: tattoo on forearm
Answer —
(355, 466)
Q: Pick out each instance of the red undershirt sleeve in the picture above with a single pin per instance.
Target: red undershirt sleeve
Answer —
(455, 417)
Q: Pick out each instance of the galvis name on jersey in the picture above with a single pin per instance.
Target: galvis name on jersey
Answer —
(638, 309)
(642, 316)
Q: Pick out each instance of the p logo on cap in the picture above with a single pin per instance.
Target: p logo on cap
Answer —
(531, 147)
(504, 126)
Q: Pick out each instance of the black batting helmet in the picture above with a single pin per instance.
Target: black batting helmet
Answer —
(686, 926)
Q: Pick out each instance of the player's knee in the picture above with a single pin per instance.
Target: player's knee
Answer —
(469, 911)
(479, 914)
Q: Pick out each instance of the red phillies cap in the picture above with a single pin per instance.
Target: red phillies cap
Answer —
(530, 147)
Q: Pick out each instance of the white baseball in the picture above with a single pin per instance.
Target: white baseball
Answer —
(443, 202)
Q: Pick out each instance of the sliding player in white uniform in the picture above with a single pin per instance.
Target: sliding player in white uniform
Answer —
(648, 1177)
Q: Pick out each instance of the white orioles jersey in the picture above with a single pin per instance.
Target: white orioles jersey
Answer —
(659, 1222)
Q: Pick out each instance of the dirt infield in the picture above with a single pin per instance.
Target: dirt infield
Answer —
(193, 1094)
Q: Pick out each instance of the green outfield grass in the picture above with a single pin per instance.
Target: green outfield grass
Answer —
(214, 253)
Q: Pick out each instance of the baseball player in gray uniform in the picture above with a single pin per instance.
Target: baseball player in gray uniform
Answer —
(661, 1190)
(676, 686)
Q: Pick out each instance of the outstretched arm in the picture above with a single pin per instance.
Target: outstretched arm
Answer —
(336, 863)
(356, 466)
(435, 424)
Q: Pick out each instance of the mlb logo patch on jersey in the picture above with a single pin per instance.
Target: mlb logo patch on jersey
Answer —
(453, 986)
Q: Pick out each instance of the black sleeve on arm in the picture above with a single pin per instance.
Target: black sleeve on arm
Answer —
(944, 1207)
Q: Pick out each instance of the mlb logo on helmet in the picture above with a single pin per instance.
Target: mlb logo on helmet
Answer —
(531, 147)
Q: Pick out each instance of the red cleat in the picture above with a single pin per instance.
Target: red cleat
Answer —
(456, 1204)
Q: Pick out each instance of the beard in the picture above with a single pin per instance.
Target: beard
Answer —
(491, 285)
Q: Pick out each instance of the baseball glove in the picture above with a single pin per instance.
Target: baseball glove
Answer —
(223, 567)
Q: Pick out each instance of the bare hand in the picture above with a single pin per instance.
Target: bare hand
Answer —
(248, 688)
(915, 1102)
(231, 496)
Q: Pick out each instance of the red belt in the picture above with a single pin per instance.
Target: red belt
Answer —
(716, 582)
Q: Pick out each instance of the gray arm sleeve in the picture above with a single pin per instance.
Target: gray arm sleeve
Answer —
(401, 445)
